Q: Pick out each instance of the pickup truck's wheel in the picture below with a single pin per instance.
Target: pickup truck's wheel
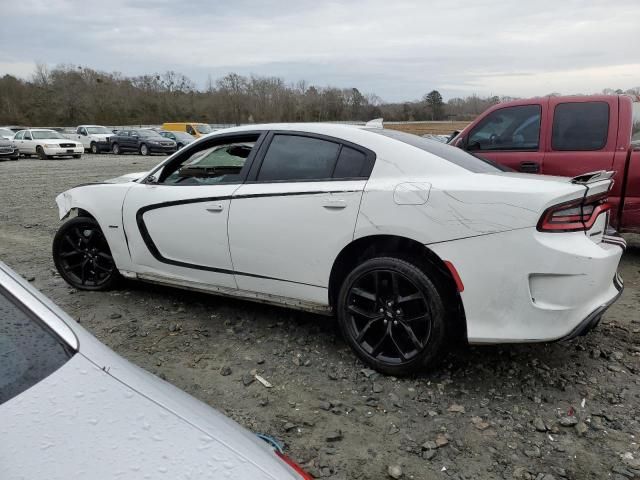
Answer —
(82, 255)
(93, 148)
(115, 148)
(144, 150)
(392, 315)
(41, 154)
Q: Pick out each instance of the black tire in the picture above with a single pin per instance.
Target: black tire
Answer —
(41, 154)
(115, 148)
(144, 150)
(93, 148)
(77, 155)
(82, 255)
(392, 315)
(179, 146)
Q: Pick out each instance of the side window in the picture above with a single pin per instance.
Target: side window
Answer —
(83, 131)
(293, 157)
(210, 165)
(635, 119)
(27, 136)
(19, 136)
(28, 351)
(510, 128)
(352, 164)
(580, 126)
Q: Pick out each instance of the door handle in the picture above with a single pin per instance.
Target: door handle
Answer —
(214, 208)
(529, 167)
(334, 204)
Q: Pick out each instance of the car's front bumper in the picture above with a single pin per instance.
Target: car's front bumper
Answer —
(528, 286)
(63, 151)
(9, 155)
(162, 148)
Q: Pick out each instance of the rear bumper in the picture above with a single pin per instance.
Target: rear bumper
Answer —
(593, 319)
(528, 286)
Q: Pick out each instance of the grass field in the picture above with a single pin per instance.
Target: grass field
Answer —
(422, 128)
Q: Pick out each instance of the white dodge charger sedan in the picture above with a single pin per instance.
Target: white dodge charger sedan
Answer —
(70, 408)
(46, 144)
(406, 240)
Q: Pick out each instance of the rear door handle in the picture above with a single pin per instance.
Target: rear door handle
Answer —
(529, 167)
(334, 204)
(214, 207)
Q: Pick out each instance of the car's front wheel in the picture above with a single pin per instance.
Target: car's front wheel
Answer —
(115, 149)
(93, 148)
(392, 315)
(41, 154)
(82, 255)
(144, 150)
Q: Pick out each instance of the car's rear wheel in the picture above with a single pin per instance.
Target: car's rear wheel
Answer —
(392, 315)
(115, 148)
(144, 150)
(41, 154)
(93, 148)
(82, 255)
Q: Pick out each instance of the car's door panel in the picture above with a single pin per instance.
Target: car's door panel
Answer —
(180, 231)
(291, 232)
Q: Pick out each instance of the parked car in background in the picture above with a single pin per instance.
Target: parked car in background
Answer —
(6, 133)
(68, 404)
(7, 150)
(567, 136)
(408, 241)
(192, 128)
(94, 138)
(46, 144)
(181, 138)
(143, 141)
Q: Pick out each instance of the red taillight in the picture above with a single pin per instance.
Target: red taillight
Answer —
(295, 466)
(573, 216)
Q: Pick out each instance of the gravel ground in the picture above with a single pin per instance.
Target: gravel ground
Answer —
(564, 410)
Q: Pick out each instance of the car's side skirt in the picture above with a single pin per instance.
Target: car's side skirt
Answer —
(288, 302)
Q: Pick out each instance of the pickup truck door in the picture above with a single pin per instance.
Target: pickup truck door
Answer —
(512, 136)
(582, 136)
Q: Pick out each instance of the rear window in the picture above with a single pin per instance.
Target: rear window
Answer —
(580, 126)
(635, 129)
(29, 352)
(446, 152)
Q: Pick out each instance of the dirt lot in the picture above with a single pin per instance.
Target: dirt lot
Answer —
(422, 128)
(564, 410)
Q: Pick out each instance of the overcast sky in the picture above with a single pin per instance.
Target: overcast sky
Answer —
(398, 49)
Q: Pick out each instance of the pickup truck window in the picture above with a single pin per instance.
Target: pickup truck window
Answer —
(580, 126)
(510, 128)
(635, 129)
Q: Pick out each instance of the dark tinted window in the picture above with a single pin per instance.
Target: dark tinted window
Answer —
(635, 118)
(446, 152)
(28, 351)
(510, 128)
(580, 126)
(352, 164)
(292, 157)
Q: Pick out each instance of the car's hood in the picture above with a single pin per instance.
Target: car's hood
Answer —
(128, 177)
(84, 422)
(57, 141)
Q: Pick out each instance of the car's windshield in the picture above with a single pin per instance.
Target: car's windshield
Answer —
(98, 130)
(446, 152)
(45, 134)
(5, 132)
(149, 134)
(635, 129)
(203, 128)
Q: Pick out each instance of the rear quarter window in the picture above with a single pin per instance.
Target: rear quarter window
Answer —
(635, 127)
(580, 126)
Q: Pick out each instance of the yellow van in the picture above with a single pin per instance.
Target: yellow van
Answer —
(192, 128)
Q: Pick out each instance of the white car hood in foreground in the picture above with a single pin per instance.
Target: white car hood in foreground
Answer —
(81, 422)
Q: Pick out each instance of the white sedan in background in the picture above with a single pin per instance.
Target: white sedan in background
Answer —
(46, 144)
(70, 408)
(407, 241)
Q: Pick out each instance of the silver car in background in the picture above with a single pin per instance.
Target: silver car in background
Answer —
(70, 408)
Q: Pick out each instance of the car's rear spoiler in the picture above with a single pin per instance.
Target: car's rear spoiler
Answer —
(592, 177)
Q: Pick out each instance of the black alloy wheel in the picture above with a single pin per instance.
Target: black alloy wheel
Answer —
(392, 315)
(82, 255)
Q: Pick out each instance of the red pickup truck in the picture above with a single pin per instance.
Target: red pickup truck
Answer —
(567, 136)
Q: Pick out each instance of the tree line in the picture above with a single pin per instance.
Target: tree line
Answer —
(69, 95)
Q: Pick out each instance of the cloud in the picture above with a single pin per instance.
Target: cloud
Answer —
(398, 50)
